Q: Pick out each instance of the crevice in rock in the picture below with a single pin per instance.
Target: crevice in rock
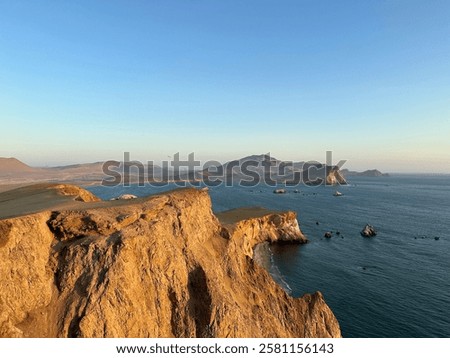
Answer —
(74, 328)
(199, 302)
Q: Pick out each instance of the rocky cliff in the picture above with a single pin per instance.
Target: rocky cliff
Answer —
(157, 267)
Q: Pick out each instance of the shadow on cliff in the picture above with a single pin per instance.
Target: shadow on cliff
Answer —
(199, 303)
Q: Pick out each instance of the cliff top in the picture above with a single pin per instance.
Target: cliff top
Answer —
(51, 197)
(235, 215)
(42, 197)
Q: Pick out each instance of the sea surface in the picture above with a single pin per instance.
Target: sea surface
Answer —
(396, 284)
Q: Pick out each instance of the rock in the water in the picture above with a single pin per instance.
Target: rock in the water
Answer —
(368, 231)
(126, 197)
(279, 191)
(328, 235)
(436, 237)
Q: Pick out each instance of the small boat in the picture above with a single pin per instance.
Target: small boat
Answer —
(337, 193)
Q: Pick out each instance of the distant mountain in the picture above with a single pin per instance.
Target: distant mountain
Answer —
(78, 167)
(272, 170)
(13, 171)
(13, 165)
(249, 170)
(366, 173)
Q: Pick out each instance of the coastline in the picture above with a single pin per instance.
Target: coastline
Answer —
(138, 242)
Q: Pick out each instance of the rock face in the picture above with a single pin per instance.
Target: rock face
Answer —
(160, 267)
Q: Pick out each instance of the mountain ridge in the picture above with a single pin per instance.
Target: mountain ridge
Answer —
(365, 173)
(274, 170)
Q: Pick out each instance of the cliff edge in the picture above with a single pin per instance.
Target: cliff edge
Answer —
(162, 266)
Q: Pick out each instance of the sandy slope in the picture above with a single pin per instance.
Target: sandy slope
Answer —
(41, 197)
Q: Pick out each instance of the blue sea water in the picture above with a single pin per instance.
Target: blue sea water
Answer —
(396, 284)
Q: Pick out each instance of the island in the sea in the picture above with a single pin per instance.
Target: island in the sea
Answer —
(365, 173)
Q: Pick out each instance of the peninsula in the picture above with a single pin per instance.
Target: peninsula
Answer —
(162, 266)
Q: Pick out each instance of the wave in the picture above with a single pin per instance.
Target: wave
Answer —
(263, 256)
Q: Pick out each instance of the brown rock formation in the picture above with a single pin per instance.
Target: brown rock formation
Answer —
(334, 177)
(160, 267)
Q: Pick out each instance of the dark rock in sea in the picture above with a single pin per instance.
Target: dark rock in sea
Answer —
(296, 191)
(328, 235)
(436, 237)
(338, 233)
(368, 231)
(317, 223)
(279, 191)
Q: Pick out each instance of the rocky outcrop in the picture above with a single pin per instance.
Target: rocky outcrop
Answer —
(125, 197)
(279, 191)
(335, 177)
(160, 267)
(77, 193)
(368, 231)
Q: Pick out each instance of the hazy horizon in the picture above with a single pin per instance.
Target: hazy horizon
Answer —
(86, 81)
(158, 161)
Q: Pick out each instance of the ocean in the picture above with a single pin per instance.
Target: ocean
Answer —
(396, 284)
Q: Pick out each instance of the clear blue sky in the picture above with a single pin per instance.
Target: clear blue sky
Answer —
(83, 81)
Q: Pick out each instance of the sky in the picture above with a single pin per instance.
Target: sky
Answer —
(85, 81)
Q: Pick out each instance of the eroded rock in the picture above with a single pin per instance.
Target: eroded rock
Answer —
(158, 267)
